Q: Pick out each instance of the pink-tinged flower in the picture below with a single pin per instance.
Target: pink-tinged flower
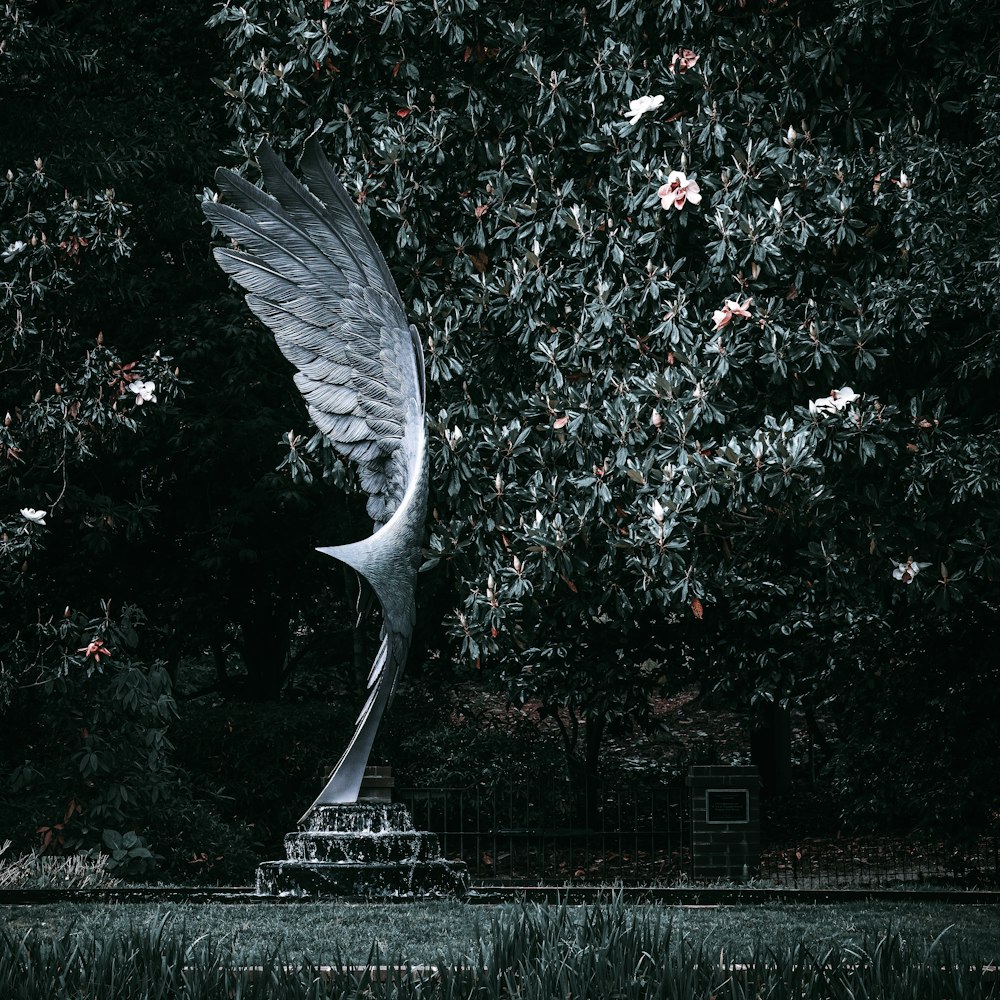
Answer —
(144, 392)
(96, 649)
(732, 307)
(678, 190)
(682, 61)
(638, 107)
(838, 400)
(32, 515)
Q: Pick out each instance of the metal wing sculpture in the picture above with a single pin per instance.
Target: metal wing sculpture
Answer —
(314, 275)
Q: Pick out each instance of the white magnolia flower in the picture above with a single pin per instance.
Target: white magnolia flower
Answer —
(34, 516)
(657, 511)
(838, 400)
(453, 436)
(678, 190)
(906, 571)
(13, 250)
(638, 107)
(145, 392)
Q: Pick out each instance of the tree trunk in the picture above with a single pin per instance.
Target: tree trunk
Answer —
(771, 748)
(267, 637)
(585, 776)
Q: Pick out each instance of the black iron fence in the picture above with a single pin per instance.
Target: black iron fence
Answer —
(524, 833)
(549, 830)
(883, 862)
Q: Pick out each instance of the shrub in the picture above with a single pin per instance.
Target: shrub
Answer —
(90, 743)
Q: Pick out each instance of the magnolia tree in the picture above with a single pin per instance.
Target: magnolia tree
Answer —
(83, 714)
(706, 308)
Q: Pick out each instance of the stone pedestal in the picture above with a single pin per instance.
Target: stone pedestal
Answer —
(377, 785)
(725, 821)
(367, 848)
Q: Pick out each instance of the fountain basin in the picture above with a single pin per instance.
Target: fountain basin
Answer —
(419, 879)
(367, 849)
(375, 848)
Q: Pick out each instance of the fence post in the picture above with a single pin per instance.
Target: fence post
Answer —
(725, 821)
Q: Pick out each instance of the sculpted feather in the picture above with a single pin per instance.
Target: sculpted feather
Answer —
(314, 275)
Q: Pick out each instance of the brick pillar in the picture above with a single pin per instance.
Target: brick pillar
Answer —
(725, 821)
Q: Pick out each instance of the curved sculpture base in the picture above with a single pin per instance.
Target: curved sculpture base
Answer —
(363, 849)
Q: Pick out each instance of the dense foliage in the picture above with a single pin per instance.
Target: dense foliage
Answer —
(78, 395)
(149, 549)
(711, 387)
(712, 380)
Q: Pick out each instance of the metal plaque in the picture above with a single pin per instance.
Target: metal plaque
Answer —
(727, 805)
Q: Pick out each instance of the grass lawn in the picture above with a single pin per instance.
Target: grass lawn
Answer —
(422, 932)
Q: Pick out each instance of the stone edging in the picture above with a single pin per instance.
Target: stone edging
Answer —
(678, 896)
